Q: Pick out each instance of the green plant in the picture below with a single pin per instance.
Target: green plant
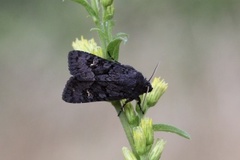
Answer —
(138, 128)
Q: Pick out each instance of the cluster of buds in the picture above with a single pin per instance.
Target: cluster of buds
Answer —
(143, 142)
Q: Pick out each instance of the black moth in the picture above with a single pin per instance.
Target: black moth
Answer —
(98, 79)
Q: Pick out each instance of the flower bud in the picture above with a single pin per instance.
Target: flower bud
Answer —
(89, 46)
(156, 151)
(128, 155)
(109, 12)
(106, 3)
(159, 87)
(146, 125)
(139, 140)
(130, 113)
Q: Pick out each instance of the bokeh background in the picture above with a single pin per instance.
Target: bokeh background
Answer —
(196, 42)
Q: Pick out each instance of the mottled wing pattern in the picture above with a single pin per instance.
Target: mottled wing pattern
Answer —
(85, 66)
(97, 79)
(83, 91)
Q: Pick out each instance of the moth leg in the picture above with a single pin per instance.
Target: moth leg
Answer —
(122, 107)
(139, 104)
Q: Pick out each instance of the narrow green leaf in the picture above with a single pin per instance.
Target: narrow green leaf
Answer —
(172, 129)
(89, 9)
(95, 5)
(113, 48)
(122, 36)
(96, 29)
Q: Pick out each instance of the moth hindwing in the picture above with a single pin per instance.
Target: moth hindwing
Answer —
(97, 79)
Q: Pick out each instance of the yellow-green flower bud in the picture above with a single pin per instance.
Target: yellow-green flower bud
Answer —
(139, 140)
(147, 126)
(156, 151)
(89, 46)
(128, 155)
(159, 87)
(109, 12)
(130, 113)
(106, 3)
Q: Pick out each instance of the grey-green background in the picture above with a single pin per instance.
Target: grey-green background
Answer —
(197, 43)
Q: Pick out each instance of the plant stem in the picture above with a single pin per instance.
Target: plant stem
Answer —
(126, 126)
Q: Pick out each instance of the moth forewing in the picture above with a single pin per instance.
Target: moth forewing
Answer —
(97, 79)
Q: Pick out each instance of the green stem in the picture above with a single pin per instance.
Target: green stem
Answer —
(126, 126)
(101, 35)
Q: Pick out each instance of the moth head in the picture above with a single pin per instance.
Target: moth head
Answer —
(149, 86)
(145, 86)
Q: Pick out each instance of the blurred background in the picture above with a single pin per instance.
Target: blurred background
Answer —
(196, 42)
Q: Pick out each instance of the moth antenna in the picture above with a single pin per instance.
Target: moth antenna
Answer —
(153, 72)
